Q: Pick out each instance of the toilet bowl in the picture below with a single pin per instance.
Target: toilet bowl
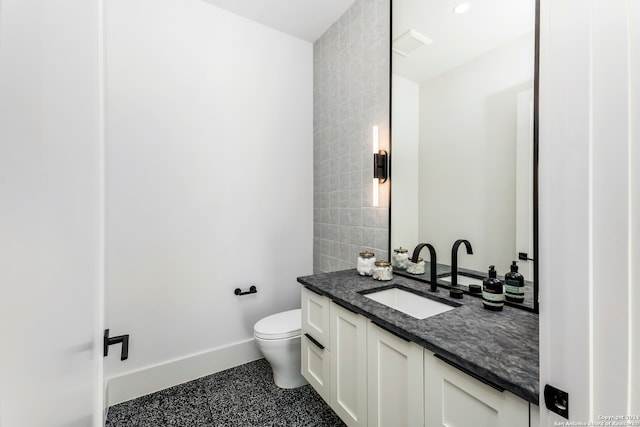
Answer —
(278, 338)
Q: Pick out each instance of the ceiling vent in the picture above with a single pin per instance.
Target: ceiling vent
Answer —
(409, 41)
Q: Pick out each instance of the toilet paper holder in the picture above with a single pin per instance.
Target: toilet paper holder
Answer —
(252, 290)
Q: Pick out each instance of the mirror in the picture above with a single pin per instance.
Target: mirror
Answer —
(464, 137)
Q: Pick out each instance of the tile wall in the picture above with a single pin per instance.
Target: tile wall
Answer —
(351, 95)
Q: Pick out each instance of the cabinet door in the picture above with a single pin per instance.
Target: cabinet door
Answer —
(455, 399)
(315, 366)
(348, 366)
(315, 316)
(395, 374)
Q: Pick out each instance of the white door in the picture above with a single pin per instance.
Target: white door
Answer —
(589, 207)
(50, 214)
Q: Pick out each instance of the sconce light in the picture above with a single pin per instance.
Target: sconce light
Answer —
(380, 170)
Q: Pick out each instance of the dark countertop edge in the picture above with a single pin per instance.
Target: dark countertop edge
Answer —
(488, 376)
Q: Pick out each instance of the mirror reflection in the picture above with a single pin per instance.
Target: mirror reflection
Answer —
(462, 132)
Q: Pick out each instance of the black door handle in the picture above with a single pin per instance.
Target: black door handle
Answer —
(124, 339)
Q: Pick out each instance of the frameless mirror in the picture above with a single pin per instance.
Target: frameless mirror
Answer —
(464, 133)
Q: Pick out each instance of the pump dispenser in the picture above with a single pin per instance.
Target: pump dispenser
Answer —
(492, 291)
(514, 284)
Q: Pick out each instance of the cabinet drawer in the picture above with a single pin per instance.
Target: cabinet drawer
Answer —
(316, 367)
(315, 316)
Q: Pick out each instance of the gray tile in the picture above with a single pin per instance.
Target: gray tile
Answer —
(343, 252)
(355, 236)
(382, 238)
(381, 216)
(354, 251)
(355, 217)
(369, 237)
(355, 159)
(351, 95)
(369, 217)
(354, 200)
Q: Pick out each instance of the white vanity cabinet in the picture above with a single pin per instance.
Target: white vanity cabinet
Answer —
(348, 366)
(395, 375)
(371, 377)
(455, 399)
(315, 342)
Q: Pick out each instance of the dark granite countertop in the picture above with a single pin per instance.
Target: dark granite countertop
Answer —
(500, 348)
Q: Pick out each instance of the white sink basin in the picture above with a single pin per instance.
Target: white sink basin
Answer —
(462, 280)
(409, 303)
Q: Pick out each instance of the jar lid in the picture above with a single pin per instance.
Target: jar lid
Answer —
(366, 254)
(401, 250)
(382, 263)
(419, 260)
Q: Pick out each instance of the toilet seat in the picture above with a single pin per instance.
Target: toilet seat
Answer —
(280, 325)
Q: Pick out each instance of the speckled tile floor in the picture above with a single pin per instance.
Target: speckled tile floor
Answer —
(238, 397)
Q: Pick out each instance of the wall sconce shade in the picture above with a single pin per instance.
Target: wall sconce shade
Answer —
(380, 170)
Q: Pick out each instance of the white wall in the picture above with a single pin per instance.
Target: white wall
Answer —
(589, 201)
(50, 214)
(209, 169)
(468, 118)
(405, 126)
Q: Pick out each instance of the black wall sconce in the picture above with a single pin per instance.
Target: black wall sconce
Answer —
(380, 167)
(380, 170)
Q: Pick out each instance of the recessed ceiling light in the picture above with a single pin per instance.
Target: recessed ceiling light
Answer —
(461, 8)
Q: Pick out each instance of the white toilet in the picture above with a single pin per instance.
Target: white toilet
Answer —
(278, 338)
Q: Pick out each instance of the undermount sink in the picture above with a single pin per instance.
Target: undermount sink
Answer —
(462, 280)
(409, 303)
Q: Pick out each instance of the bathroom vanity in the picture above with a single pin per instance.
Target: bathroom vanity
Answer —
(378, 366)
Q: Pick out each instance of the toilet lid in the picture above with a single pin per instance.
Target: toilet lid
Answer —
(278, 326)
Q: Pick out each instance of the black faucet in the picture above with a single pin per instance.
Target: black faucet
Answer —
(432, 260)
(454, 259)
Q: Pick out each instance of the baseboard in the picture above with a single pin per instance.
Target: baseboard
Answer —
(155, 378)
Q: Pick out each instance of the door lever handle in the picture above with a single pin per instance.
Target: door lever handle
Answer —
(124, 339)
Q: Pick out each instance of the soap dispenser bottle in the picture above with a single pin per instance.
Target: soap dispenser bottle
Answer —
(514, 284)
(492, 291)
